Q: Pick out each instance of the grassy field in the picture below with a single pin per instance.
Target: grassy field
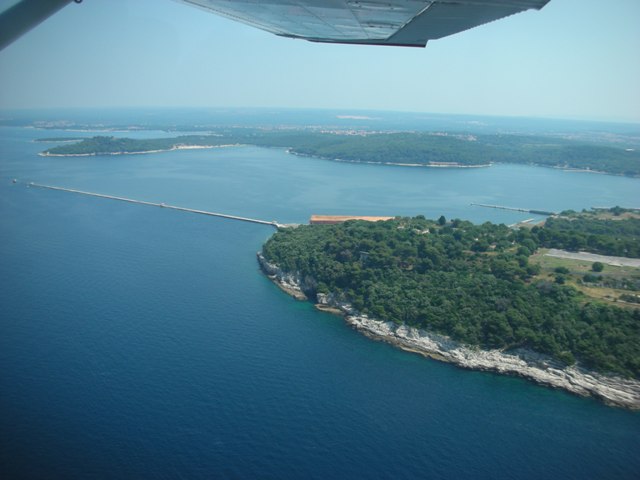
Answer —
(608, 215)
(577, 269)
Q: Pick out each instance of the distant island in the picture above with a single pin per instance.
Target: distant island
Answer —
(108, 145)
(482, 296)
(415, 149)
(58, 139)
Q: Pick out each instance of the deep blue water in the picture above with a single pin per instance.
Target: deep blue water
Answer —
(137, 342)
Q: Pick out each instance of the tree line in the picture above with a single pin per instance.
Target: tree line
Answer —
(583, 231)
(422, 148)
(471, 282)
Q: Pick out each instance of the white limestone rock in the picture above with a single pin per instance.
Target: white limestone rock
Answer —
(534, 366)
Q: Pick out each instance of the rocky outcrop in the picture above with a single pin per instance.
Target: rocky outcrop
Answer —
(539, 368)
(292, 283)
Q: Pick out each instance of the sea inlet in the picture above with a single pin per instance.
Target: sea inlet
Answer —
(143, 342)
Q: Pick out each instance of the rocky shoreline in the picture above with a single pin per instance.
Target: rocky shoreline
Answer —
(397, 164)
(539, 368)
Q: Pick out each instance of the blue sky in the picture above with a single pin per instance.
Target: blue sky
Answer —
(573, 59)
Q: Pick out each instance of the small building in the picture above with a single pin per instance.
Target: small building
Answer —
(333, 219)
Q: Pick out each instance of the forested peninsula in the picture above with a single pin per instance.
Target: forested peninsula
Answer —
(473, 294)
(425, 149)
(107, 145)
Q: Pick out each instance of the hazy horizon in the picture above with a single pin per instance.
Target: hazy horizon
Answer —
(571, 60)
(343, 111)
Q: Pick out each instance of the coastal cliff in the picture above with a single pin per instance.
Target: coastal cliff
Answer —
(539, 368)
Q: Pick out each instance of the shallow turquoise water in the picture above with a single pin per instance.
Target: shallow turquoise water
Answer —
(137, 342)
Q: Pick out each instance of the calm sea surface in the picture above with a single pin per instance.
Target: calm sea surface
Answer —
(137, 342)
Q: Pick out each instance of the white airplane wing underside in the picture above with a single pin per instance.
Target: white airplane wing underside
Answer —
(390, 22)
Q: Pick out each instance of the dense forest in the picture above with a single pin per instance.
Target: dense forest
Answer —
(103, 145)
(396, 148)
(471, 282)
(407, 148)
(584, 231)
(465, 150)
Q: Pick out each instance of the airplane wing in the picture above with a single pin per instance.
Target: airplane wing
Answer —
(408, 23)
(21, 16)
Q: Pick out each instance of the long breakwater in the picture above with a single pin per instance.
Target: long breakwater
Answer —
(525, 210)
(272, 223)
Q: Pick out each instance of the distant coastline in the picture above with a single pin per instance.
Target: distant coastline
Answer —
(46, 153)
(586, 170)
(397, 164)
(402, 149)
(459, 165)
(175, 147)
(58, 140)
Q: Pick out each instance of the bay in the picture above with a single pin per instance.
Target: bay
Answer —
(139, 342)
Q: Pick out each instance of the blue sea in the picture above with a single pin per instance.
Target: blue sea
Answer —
(139, 342)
